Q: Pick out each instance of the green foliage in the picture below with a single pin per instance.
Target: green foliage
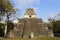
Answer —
(10, 26)
(49, 26)
(2, 28)
(55, 23)
(56, 26)
(6, 4)
(1, 15)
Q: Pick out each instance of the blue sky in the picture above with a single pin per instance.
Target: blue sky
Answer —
(43, 8)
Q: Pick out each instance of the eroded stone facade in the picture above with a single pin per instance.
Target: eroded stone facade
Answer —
(30, 26)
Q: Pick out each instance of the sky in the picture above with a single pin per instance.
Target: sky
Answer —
(43, 8)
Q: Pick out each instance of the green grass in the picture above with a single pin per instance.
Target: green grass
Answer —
(42, 38)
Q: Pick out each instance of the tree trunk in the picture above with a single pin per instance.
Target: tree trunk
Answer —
(7, 20)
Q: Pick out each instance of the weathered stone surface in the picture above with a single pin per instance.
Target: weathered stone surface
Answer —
(30, 27)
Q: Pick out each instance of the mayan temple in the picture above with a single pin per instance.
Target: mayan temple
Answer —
(30, 26)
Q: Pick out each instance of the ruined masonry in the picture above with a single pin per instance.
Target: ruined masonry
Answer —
(30, 26)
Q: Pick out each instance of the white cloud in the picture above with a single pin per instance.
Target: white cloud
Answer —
(45, 20)
(23, 3)
(15, 21)
(35, 8)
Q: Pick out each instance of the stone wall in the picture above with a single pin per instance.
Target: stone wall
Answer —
(30, 26)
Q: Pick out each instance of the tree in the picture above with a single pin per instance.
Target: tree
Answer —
(6, 8)
(10, 26)
(56, 28)
(55, 24)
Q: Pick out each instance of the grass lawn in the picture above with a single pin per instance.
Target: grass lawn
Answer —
(42, 38)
